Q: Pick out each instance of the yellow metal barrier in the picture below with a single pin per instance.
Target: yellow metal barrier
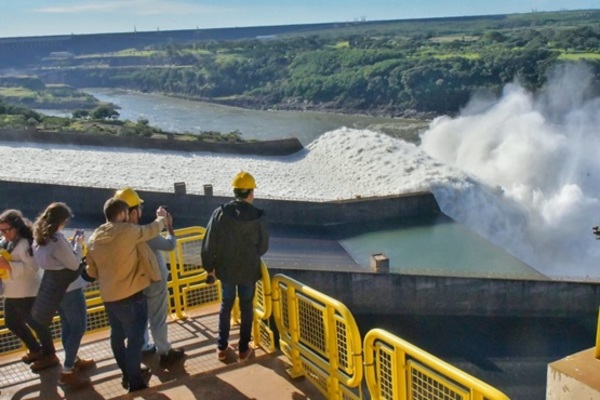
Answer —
(398, 370)
(261, 330)
(597, 351)
(320, 337)
(187, 283)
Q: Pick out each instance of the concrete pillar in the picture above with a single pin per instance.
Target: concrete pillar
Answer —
(180, 188)
(208, 190)
(380, 263)
(575, 377)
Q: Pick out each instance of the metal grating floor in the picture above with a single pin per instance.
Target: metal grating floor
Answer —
(197, 335)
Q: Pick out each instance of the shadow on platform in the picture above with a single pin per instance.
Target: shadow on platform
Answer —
(199, 376)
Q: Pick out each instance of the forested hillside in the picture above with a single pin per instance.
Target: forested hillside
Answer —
(402, 68)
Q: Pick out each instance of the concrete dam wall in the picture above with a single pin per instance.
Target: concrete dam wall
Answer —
(372, 293)
(362, 292)
(87, 203)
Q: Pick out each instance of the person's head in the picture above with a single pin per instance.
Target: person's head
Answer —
(243, 186)
(116, 210)
(134, 203)
(51, 220)
(13, 226)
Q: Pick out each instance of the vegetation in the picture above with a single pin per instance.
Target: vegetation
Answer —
(99, 121)
(31, 91)
(400, 68)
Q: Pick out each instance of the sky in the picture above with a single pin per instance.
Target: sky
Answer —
(58, 17)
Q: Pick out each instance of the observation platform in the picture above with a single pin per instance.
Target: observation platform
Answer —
(200, 375)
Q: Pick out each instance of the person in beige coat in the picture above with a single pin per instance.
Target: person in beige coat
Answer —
(123, 270)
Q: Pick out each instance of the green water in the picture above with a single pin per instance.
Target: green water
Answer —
(432, 246)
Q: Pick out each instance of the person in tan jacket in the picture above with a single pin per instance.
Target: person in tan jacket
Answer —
(123, 272)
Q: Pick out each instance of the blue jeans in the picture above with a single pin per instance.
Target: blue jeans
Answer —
(73, 323)
(127, 319)
(246, 296)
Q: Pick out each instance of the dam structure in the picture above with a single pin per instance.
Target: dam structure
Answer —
(505, 321)
(445, 289)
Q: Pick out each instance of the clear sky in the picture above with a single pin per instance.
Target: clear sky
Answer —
(56, 17)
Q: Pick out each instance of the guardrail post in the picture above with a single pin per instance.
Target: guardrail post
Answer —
(597, 352)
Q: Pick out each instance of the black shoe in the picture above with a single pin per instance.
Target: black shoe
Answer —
(171, 356)
(146, 374)
(141, 387)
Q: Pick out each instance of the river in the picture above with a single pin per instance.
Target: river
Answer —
(187, 116)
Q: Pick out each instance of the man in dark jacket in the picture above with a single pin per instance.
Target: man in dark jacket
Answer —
(236, 237)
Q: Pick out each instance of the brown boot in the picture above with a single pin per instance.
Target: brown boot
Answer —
(30, 357)
(73, 380)
(47, 361)
(83, 364)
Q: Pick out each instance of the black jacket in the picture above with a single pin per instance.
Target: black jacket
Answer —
(236, 237)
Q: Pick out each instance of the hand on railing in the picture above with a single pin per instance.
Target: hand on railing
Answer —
(211, 277)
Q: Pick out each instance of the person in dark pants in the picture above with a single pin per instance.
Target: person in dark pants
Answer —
(21, 279)
(60, 261)
(236, 237)
(123, 273)
(157, 294)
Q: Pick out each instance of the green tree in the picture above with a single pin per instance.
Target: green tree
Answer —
(105, 111)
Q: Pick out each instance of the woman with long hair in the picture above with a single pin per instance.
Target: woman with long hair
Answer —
(21, 280)
(61, 290)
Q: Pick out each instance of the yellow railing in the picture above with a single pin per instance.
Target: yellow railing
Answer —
(320, 337)
(261, 329)
(396, 369)
(597, 350)
(187, 283)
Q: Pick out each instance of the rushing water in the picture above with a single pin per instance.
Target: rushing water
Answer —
(402, 243)
(181, 115)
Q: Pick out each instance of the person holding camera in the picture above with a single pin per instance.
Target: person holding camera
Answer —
(61, 290)
(236, 238)
(157, 294)
(123, 272)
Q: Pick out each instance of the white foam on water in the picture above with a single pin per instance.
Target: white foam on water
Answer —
(519, 170)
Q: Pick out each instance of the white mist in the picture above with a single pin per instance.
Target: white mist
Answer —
(538, 157)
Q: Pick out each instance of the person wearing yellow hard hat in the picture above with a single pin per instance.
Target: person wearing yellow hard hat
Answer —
(122, 273)
(21, 281)
(157, 294)
(235, 240)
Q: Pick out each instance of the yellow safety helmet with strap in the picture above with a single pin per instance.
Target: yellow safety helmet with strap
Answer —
(129, 196)
(243, 180)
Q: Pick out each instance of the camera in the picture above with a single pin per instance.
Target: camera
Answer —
(596, 230)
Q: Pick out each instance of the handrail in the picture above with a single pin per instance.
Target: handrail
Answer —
(597, 350)
(395, 369)
(320, 336)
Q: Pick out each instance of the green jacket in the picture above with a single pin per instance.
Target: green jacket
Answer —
(236, 237)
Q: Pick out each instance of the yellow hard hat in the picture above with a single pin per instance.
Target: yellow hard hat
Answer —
(129, 196)
(243, 180)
